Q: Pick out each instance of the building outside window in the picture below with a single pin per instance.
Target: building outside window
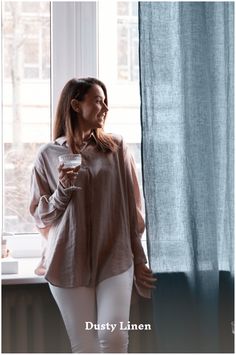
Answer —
(127, 41)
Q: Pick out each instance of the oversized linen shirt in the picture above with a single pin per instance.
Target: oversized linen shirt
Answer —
(95, 226)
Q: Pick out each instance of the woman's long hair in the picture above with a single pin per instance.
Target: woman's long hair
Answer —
(66, 121)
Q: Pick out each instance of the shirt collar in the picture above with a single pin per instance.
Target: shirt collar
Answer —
(62, 140)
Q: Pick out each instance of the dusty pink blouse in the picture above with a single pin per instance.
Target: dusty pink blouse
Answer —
(94, 232)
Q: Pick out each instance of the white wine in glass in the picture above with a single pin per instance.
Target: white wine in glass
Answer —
(70, 160)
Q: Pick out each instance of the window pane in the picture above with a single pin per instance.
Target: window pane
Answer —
(119, 69)
(122, 8)
(26, 103)
(31, 52)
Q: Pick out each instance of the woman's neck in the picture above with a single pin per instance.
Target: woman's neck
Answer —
(84, 132)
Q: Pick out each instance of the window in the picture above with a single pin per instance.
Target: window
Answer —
(26, 103)
(118, 68)
(80, 30)
(127, 41)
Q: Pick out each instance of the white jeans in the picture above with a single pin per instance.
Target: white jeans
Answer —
(102, 307)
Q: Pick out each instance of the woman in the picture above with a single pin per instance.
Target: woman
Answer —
(92, 219)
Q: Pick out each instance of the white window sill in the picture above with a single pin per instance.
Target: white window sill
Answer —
(25, 250)
(25, 274)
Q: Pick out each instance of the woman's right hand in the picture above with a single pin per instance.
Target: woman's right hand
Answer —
(144, 276)
(67, 176)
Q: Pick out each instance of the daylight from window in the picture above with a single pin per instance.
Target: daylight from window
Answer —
(26, 103)
(119, 69)
(26, 97)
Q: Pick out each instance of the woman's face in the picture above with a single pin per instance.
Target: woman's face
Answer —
(92, 110)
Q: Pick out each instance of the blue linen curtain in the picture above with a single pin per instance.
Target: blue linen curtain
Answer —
(186, 85)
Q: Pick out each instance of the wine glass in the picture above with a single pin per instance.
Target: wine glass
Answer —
(70, 161)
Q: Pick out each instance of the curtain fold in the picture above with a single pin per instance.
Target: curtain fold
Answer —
(186, 83)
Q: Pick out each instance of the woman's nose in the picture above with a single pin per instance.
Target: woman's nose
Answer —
(105, 107)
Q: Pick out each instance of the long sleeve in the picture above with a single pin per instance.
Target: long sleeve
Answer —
(137, 220)
(139, 255)
(46, 206)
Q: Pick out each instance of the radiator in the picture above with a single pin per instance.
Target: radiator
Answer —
(31, 322)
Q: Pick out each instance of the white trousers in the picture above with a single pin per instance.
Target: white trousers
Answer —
(90, 314)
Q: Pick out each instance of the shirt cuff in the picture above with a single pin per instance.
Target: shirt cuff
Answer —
(138, 252)
(61, 197)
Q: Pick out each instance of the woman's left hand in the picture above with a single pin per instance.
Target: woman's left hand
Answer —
(144, 276)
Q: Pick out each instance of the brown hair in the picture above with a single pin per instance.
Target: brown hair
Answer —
(66, 124)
